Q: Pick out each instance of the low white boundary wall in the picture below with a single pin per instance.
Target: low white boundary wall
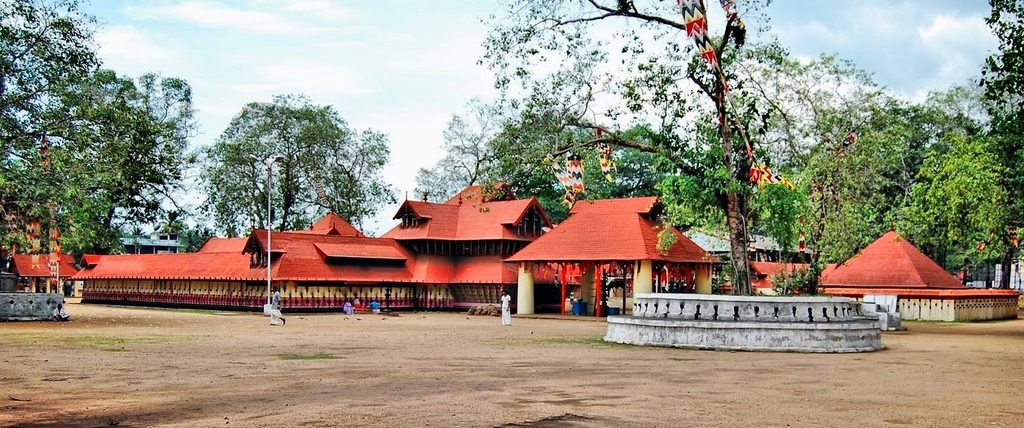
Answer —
(754, 323)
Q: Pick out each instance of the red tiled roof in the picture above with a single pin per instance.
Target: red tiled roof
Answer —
(928, 293)
(223, 245)
(359, 251)
(889, 262)
(468, 221)
(609, 230)
(764, 271)
(463, 270)
(331, 224)
(475, 194)
(23, 265)
(300, 259)
(213, 266)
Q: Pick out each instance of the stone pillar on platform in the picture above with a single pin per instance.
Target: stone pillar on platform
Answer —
(524, 290)
(643, 282)
(587, 288)
(702, 275)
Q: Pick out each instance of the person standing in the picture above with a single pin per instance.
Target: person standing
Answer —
(275, 309)
(506, 309)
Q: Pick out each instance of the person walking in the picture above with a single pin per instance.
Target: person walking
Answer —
(275, 309)
(506, 309)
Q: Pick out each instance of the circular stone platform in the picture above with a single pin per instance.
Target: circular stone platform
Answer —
(749, 323)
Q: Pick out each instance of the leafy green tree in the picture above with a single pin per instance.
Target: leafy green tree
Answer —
(1003, 81)
(322, 165)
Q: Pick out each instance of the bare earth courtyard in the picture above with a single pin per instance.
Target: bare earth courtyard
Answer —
(146, 367)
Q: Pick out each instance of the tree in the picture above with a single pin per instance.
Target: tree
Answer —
(467, 155)
(323, 166)
(637, 72)
(1003, 81)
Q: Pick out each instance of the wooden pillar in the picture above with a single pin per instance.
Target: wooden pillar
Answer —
(703, 279)
(643, 281)
(524, 290)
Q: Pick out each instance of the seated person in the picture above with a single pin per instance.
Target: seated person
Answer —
(59, 314)
(375, 306)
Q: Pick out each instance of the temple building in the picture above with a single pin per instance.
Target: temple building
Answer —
(892, 266)
(33, 273)
(441, 256)
(605, 252)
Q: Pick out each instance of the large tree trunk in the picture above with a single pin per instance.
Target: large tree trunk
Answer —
(1006, 264)
(738, 244)
(735, 207)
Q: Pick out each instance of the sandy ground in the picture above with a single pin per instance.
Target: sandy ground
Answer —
(157, 367)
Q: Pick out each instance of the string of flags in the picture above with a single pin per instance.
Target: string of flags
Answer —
(762, 175)
(570, 177)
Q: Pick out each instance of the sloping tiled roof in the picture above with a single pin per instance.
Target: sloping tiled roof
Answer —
(333, 224)
(23, 265)
(464, 270)
(300, 259)
(890, 261)
(610, 230)
(359, 251)
(212, 266)
(466, 221)
(764, 271)
(223, 245)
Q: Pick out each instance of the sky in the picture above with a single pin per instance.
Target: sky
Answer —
(404, 67)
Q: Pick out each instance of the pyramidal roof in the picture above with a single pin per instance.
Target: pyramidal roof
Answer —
(890, 261)
(612, 229)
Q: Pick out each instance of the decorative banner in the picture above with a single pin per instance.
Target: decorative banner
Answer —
(803, 242)
(607, 164)
(560, 173)
(574, 164)
(695, 19)
(980, 246)
(1014, 236)
(762, 175)
(54, 244)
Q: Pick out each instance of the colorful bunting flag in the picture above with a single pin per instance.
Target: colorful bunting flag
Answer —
(574, 164)
(1014, 236)
(607, 163)
(696, 22)
(762, 175)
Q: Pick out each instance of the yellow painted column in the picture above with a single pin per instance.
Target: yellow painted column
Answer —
(643, 281)
(702, 277)
(524, 290)
(587, 288)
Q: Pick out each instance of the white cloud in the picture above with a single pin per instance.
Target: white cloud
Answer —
(133, 51)
(216, 15)
(305, 77)
(321, 9)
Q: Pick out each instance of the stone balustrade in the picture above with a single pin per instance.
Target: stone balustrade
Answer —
(746, 308)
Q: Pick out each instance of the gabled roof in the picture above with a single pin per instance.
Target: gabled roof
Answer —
(890, 261)
(332, 224)
(610, 230)
(466, 221)
(223, 245)
(24, 266)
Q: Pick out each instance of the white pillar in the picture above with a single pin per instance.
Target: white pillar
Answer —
(643, 282)
(524, 290)
(702, 277)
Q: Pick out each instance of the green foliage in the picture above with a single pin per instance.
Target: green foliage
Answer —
(798, 282)
(314, 146)
(959, 202)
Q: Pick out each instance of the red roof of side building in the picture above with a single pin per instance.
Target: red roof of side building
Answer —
(24, 266)
(223, 245)
(466, 221)
(612, 229)
(764, 271)
(310, 257)
(182, 266)
(463, 270)
(889, 262)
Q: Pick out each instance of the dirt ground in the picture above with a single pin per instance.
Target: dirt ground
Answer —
(158, 367)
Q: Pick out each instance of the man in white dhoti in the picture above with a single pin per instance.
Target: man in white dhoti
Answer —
(506, 310)
(275, 308)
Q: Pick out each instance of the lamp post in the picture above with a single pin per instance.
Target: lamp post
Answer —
(270, 174)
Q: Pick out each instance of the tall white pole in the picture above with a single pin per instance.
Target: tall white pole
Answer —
(270, 169)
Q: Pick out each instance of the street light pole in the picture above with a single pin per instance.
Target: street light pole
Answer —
(270, 174)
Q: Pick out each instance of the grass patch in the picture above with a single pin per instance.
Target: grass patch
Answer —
(97, 340)
(316, 356)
